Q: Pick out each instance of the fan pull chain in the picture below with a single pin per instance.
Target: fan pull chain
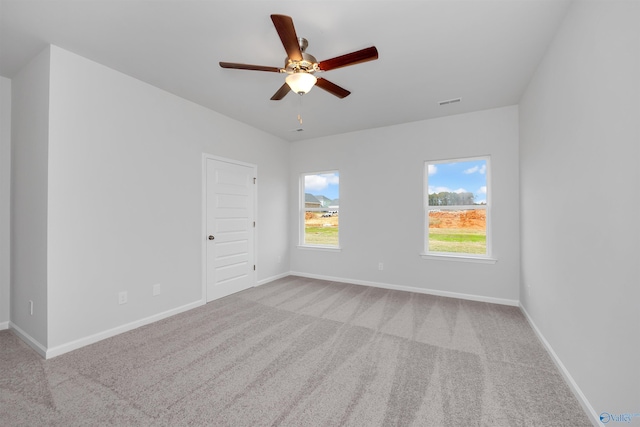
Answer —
(300, 110)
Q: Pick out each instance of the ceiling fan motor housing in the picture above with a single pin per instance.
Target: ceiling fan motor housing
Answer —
(309, 63)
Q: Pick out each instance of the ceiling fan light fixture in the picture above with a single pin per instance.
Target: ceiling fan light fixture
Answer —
(301, 83)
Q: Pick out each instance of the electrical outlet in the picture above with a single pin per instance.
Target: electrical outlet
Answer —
(157, 290)
(380, 266)
(122, 297)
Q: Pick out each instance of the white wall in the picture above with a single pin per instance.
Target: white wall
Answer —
(29, 168)
(580, 156)
(5, 197)
(124, 198)
(381, 215)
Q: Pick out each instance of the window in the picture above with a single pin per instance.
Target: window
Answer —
(319, 208)
(457, 208)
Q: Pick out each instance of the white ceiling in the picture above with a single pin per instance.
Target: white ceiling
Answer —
(482, 51)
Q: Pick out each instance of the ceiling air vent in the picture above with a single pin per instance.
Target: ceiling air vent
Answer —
(450, 101)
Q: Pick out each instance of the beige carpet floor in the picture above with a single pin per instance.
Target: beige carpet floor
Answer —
(300, 352)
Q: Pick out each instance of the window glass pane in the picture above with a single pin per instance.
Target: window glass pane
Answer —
(457, 183)
(458, 231)
(321, 228)
(453, 222)
(321, 206)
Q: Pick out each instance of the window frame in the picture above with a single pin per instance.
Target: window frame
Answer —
(458, 256)
(302, 209)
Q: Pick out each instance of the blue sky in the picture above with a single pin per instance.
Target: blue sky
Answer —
(459, 177)
(326, 184)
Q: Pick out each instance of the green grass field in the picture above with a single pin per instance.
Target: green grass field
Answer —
(321, 236)
(440, 240)
(457, 241)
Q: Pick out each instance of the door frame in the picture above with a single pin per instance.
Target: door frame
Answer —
(203, 232)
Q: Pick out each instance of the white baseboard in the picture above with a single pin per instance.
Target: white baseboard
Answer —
(32, 342)
(272, 278)
(73, 345)
(582, 399)
(4, 325)
(492, 300)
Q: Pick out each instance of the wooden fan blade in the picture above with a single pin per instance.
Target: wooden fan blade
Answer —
(332, 88)
(364, 55)
(281, 93)
(287, 32)
(249, 67)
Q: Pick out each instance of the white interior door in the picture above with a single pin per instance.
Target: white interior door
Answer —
(230, 194)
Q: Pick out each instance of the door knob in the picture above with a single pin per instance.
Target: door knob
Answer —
(211, 237)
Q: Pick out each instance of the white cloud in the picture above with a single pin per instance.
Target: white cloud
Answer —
(482, 190)
(332, 178)
(479, 169)
(432, 169)
(315, 183)
(471, 170)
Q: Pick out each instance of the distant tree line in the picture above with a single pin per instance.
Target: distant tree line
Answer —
(446, 198)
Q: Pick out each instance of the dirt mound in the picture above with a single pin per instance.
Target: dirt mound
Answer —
(476, 219)
(315, 219)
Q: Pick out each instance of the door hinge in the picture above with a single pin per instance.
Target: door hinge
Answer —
(254, 267)
(254, 224)
(254, 180)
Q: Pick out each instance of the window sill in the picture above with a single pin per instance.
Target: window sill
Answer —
(320, 248)
(459, 258)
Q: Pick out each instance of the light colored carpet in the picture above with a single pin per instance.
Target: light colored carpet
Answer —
(300, 352)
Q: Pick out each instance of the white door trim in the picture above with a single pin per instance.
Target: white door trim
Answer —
(203, 231)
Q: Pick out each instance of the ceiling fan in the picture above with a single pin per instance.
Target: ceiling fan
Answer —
(301, 67)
